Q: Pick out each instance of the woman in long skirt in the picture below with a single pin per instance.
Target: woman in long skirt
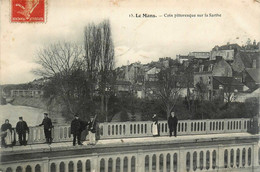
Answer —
(6, 134)
(155, 126)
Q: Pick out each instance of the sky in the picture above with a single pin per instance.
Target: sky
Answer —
(135, 39)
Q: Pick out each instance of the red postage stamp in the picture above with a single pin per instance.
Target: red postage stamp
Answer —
(28, 10)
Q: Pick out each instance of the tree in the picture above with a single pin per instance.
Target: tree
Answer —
(229, 93)
(99, 57)
(167, 89)
(62, 63)
(201, 90)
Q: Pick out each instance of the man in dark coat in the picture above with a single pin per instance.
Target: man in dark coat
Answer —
(76, 129)
(6, 126)
(172, 124)
(47, 125)
(21, 129)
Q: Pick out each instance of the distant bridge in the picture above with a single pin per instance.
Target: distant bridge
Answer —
(201, 145)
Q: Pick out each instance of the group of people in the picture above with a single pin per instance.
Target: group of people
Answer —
(7, 137)
(172, 125)
(77, 126)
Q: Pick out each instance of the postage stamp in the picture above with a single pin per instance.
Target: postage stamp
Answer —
(28, 10)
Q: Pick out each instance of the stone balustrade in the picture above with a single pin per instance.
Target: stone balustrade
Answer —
(239, 157)
(61, 133)
(185, 127)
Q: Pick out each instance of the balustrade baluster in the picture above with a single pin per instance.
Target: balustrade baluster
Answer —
(114, 164)
(84, 161)
(75, 166)
(198, 160)
(235, 158)
(246, 158)
(191, 161)
(240, 157)
(157, 162)
(121, 164)
(105, 130)
(151, 162)
(171, 161)
(220, 160)
(254, 155)
(207, 126)
(210, 159)
(129, 164)
(204, 159)
(230, 157)
(164, 162)
(127, 128)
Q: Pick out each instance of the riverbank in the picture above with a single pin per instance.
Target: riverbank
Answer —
(52, 107)
(33, 116)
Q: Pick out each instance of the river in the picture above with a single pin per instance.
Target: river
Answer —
(33, 116)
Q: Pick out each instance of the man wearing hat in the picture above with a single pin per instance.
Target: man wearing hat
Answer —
(21, 129)
(47, 125)
(76, 130)
(92, 130)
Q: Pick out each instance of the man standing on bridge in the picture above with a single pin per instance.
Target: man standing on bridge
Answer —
(47, 125)
(172, 124)
(21, 129)
(76, 129)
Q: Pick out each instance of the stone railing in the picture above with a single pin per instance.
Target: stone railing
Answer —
(114, 130)
(228, 157)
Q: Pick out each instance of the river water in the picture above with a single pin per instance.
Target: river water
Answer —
(33, 116)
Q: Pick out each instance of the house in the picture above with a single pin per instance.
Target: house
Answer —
(226, 88)
(132, 71)
(253, 96)
(245, 60)
(182, 58)
(122, 87)
(151, 74)
(227, 52)
(203, 76)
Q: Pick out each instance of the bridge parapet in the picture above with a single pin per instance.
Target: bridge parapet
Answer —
(111, 130)
(231, 154)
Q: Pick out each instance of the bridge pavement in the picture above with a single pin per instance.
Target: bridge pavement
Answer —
(144, 141)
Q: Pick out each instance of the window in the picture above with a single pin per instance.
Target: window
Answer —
(210, 67)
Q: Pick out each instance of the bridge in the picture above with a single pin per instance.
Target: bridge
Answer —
(201, 145)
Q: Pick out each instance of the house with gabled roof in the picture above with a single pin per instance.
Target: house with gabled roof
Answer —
(245, 60)
(203, 75)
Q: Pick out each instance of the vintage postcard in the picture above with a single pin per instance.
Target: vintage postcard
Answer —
(129, 85)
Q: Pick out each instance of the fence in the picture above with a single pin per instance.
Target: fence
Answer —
(113, 130)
